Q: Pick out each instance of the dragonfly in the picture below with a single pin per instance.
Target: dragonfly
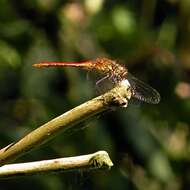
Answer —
(115, 72)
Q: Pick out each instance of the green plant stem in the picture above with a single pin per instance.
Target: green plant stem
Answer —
(117, 96)
(97, 160)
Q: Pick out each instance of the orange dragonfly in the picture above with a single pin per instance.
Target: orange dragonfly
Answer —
(115, 72)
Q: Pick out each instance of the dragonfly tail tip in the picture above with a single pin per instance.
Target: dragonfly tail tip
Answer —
(37, 65)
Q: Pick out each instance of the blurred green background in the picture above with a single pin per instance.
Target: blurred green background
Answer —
(149, 144)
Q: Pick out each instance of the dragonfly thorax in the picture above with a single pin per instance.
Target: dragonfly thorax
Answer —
(111, 68)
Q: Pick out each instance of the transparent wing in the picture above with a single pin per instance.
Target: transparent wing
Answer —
(142, 91)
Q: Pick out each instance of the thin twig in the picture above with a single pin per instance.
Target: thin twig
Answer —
(117, 96)
(97, 160)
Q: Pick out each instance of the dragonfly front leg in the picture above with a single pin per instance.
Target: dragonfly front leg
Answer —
(99, 90)
(102, 79)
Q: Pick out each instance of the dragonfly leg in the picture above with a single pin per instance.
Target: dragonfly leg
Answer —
(99, 81)
(102, 79)
(87, 76)
(111, 77)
